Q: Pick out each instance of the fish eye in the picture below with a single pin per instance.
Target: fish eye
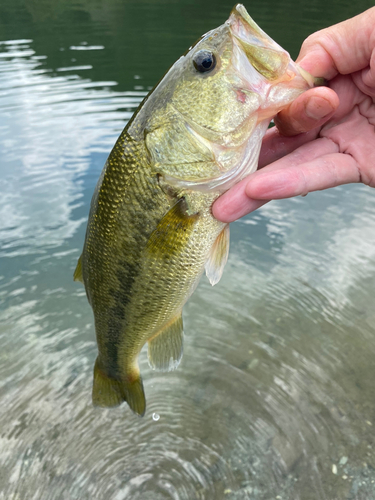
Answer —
(204, 61)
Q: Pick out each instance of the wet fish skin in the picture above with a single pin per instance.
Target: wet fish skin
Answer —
(150, 232)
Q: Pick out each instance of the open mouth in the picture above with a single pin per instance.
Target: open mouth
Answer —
(272, 63)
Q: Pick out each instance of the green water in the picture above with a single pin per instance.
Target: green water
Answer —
(275, 395)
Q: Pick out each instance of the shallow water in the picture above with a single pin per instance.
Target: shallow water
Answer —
(275, 397)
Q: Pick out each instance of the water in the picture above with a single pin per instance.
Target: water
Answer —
(274, 398)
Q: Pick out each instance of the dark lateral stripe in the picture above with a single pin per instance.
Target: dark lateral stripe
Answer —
(126, 274)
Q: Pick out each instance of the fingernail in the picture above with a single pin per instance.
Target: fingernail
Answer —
(318, 108)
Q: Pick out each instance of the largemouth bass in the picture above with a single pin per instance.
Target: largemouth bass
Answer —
(150, 232)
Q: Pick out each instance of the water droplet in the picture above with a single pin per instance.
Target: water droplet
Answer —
(155, 416)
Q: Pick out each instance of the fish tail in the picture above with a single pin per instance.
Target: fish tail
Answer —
(108, 392)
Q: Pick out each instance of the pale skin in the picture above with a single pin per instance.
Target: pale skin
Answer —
(326, 137)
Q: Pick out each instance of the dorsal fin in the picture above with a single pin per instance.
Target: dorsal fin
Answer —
(78, 272)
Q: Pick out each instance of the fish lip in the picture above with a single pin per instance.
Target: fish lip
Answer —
(312, 81)
(245, 31)
(247, 35)
(244, 28)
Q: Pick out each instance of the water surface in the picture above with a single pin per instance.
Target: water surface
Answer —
(274, 398)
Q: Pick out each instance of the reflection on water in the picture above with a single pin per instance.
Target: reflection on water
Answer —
(56, 126)
(274, 397)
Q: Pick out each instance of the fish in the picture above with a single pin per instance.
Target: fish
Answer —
(150, 232)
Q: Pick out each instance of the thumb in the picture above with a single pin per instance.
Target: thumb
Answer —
(343, 48)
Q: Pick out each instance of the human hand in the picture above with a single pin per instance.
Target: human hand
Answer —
(336, 136)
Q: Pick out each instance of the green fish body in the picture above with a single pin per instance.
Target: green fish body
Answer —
(150, 232)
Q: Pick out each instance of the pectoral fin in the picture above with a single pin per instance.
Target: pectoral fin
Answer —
(218, 257)
(173, 231)
(165, 349)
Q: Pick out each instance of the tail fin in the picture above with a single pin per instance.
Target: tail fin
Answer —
(108, 392)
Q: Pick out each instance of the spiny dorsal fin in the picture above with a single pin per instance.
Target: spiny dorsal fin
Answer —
(78, 272)
(218, 257)
(165, 349)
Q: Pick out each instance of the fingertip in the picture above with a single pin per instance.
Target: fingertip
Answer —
(222, 210)
(234, 204)
(226, 209)
(315, 59)
(219, 211)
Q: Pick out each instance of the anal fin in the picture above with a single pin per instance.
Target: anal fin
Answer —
(218, 256)
(108, 392)
(165, 349)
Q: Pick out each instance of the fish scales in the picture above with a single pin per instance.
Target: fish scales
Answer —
(125, 209)
(131, 279)
(150, 232)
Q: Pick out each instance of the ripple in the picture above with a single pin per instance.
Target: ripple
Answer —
(86, 47)
(276, 383)
(74, 68)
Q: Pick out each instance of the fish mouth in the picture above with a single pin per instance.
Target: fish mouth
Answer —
(273, 64)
